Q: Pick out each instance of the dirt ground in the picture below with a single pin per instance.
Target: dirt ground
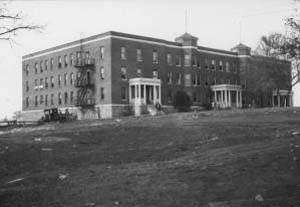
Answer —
(211, 159)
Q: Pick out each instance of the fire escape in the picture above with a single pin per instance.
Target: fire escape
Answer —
(84, 81)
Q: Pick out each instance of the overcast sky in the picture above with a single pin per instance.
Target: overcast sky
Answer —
(216, 23)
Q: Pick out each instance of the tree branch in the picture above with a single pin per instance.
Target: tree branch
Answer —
(12, 30)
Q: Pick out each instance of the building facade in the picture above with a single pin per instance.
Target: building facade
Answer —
(114, 74)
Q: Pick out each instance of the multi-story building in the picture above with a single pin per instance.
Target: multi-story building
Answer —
(109, 74)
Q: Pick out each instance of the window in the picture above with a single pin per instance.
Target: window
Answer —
(51, 63)
(65, 79)
(214, 81)
(27, 70)
(123, 93)
(59, 80)
(102, 93)
(155, 57)
(52, 81)
(36, 101)
(46, 83)
(36, 87)
(178, 81)
(66, 97)
(169, 78)
(101, 53)
(41, 66)
(123, 73)
(198, 63)
(206, 63)
(27, 102)
(139, 72)
(123, 53)
(194, 79)
(178, 60)
(78, 76)
(235, 68)
(139, 57)
(46, 100)
(87, 55)
(41, 99)
(169, 59)
(227, 66)
(27, 86)
(194, 60)
(59, 62)
(78, 56)
(71, 59)
(213, 64)
(36, 68)
(244, 84)
(71, 78)
(220, 65)
(155, 73)
(198, 79)
(187, 80)
(66, 61)
(101, 73)
(41, 84)
(59, 98)
(207, 82)
(52, 99)
(46, 65)
(71, 97)
(228, 81)
(187, 60)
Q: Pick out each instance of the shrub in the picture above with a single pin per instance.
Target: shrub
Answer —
(182, 101)
(209, 94)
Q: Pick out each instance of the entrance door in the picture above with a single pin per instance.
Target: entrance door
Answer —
(149, 94)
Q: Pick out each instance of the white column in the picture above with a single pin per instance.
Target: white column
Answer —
(140, 94)
(159, 93)
(144, 93)
(222, 100)
(241, 102)
(272, 100)
(237, 98)
(136, 94)
(229, 94)
(278, 99)
(154, 94)
(225, 98)
(129, 94)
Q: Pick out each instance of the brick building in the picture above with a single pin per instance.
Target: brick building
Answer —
(113, 73)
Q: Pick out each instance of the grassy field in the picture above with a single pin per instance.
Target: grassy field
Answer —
(213, 159)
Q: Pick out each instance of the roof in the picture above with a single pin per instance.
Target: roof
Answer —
(125, 35)
(241, 45)
(186, 36)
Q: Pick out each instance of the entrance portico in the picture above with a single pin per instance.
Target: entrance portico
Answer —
(282, 98)
(227, 96)
(144, 91)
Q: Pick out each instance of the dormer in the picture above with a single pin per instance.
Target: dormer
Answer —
(187, 40)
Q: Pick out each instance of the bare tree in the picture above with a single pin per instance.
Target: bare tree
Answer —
(272, 46)
(13, 23)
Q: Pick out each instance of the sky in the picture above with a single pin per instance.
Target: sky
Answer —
(219, 24)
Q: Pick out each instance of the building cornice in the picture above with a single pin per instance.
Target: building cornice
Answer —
(115, 35)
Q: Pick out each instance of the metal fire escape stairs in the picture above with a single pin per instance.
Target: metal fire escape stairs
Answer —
(84, 81)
